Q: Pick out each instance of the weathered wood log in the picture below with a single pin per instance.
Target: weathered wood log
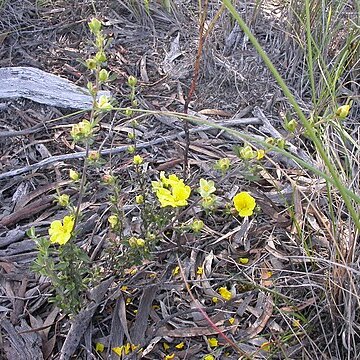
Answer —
(44, 88)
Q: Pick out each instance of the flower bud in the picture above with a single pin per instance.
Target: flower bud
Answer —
(343, 111)
(103, 75)
(95, 26)
(132, 81)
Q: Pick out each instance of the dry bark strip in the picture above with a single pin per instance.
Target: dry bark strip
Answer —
(82, 320)
(44, 88)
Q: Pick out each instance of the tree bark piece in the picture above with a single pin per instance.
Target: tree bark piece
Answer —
(44, 88)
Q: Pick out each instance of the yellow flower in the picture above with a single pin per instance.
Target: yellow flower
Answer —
(118, 350)
(104, 103)
(74, 175)
(169, 357)
(99, 347)
(63, 200)
(180, 345)
(166, 346)
(139, 199)
(244, 204)
(260, 154)
(138, 160)
(247, 153)
(225, 293)
(60, 231)
(343, 111)
(200, 270)
(244, 261)
(176, 270)
(82, 130)
(175, 193)
(213, 342)
(296, 323)
(214, 299)
(231, 320)
(266, 346)
(113, 220)
(206, 188)
(140, 242)
(131, 149)
(208, 357)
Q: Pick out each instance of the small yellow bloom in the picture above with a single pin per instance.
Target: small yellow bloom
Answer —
(208, 357)
(225, 293)
(135, 311)
(260, 154)
(74, 175)
(244, 261)
(207, 187)
(266, 346)
(214, 299)
(60, 231)
(180, 345)
(104, 102)
(128, 301)
(296, 323)
(63, 200)
(133, 271)
(138, 160)
(244, 204)
(169, 357)
(200, 270)
(176, 271)
(99, 347)
(213, 342)
(124, 288)
(118, 350)
(139, 199)
(82, 130)
(231, 320)
(166, 346)
(113, 220)
(247, 153)
(343, 111)
(140, 242)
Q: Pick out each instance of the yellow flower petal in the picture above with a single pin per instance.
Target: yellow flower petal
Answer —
(208, 357)
(169, 357)
(166, 346)
(180, 345)
(225, 293)
(213, 342)
(118, 350)
(200, 270)
(176, 270)
(99, 347)
(231, 320)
